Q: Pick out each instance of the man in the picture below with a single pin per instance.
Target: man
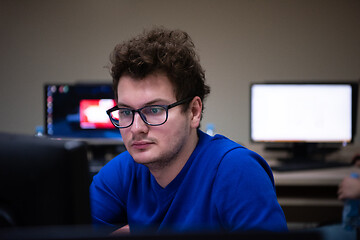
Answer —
(173, 177)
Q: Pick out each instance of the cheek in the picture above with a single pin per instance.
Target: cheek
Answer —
(125, 135)
(122, 132)
(176, 129)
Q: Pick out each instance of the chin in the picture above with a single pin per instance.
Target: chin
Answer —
(142, 158)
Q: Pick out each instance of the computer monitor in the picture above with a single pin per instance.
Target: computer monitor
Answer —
(79, 111)
(43, 182)
(303, 114)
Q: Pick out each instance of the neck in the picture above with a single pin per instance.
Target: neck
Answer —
(165, 173)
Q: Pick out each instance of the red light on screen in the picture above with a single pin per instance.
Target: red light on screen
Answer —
(93, 113)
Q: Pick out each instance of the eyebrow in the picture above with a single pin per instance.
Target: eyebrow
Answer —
(153, 102)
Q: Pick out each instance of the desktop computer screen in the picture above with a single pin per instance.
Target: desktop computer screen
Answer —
(79, 111)
(302, 118)
(307, 112)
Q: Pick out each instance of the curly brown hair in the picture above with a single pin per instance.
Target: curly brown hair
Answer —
(160, 50)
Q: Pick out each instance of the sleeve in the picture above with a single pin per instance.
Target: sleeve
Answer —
(245, 195)
(108, 195)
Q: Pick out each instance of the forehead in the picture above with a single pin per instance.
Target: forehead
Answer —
(135, 92)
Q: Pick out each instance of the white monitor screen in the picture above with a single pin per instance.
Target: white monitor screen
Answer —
(301, 113)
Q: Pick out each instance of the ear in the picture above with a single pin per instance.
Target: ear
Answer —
(195, 109)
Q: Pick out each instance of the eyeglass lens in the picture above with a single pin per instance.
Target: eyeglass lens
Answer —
(153, 115)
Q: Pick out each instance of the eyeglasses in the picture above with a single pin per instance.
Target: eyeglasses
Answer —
(153, 115)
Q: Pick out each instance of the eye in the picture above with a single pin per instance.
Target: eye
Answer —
(125, 112)
(153, 110)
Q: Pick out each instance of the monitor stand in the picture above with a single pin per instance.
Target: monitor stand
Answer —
(307, 156)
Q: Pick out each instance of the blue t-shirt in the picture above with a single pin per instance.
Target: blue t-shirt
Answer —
(222, 187)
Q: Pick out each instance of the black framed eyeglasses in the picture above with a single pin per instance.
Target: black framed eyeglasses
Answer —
(153, 115)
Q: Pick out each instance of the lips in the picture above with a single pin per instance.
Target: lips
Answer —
(141, 145)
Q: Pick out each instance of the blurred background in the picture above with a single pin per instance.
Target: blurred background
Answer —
(239, 42)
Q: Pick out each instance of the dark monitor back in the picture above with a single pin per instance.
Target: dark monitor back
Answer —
(88, 232)
(42, 182)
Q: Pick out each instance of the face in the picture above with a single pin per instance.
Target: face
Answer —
(156, 146)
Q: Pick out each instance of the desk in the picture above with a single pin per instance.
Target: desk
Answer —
(310, 196)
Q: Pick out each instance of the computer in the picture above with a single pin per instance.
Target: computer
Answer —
(78, 111)
(43, 182)
(307, 119)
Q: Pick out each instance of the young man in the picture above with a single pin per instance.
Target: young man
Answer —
(173, 177)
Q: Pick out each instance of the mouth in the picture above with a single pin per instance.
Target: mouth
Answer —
(141, 145)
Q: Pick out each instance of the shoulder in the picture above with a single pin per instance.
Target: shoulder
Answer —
(233, 151)
(246, 162)
(244, 191)
(231, 158)
(215, 146)
(235, 158)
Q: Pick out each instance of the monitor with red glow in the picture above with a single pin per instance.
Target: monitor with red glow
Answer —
(93, 113)
(79, 111)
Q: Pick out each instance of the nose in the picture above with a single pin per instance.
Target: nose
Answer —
(139, 126)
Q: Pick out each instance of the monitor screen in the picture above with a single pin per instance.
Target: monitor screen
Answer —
(79, 111)
(304, 112)
(43, 182)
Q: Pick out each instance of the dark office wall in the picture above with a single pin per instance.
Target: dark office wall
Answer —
(239, 42)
